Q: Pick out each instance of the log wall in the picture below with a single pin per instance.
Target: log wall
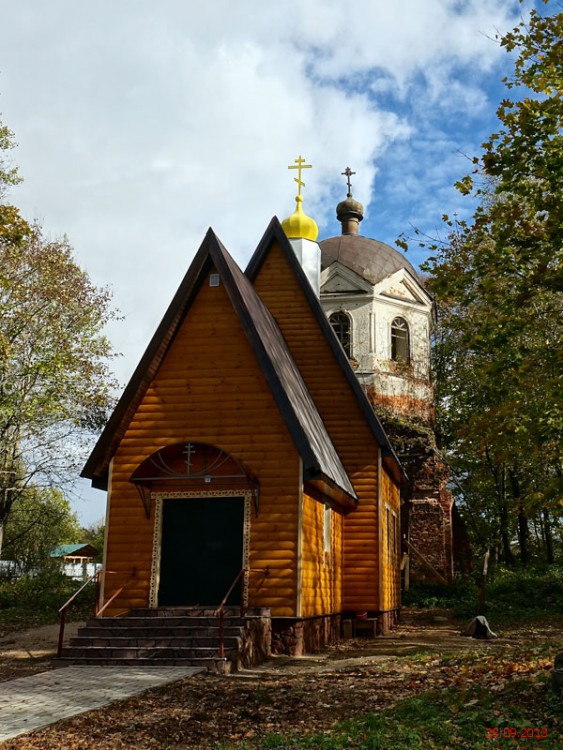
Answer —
(391, 574)
(321, 570)
(346, 424)
(210, 389)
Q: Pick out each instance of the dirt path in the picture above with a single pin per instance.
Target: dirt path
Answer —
(27, 651)
(293, 695)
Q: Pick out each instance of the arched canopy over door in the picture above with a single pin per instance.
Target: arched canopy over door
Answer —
(192, 466)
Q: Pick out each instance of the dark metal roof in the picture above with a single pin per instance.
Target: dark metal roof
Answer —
(320, 459)
(284, 378)
(273, 233)
(370, 259)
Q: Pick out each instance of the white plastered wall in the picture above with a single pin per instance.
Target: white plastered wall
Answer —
(372, 310)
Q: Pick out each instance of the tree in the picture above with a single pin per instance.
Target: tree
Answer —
(55, 386)
(498, 283)
(13, 228)
(95, 535)
(41, 520)
(8, 175)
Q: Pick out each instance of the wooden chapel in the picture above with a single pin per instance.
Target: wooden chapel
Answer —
(244, 447)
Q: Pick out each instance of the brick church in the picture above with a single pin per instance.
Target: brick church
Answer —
(383, 317)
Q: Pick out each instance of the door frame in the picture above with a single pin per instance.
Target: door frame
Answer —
(160, 497)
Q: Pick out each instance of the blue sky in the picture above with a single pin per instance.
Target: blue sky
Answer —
(140, 124)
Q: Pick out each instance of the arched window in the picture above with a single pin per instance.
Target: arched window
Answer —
(341, 325)
(400, 343)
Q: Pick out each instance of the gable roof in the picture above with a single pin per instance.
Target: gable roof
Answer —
(64, 550)
(339, 279)
(321, 464)
(407, 287)
(275, 233)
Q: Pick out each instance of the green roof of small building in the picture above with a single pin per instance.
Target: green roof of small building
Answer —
(63, 550)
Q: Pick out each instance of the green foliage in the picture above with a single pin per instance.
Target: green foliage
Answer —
(13, 228)
(498, 284)
(95, 535)
(8, 175)
(460, 596)
(55, 385)
(526, 591)
(36, 599)
(518, 594)
(40, 521)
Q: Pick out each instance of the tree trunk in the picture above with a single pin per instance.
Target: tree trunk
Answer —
(548, 537)
(505, 536)
(523, 530)
(523, 535)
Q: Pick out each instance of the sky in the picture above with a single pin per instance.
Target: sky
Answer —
(140, 124)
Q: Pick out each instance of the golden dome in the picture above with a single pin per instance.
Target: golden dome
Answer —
(299, 225)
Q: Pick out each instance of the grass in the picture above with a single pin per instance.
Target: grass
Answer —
(519, 594)
(452, 720)
(501, 711)
(481, 699)
(501, 700)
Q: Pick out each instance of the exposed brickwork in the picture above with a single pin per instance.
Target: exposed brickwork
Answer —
(308, 635)
(399, 387)
(409, 424)
(403, 405)
(428, 535)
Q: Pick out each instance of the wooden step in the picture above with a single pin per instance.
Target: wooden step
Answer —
(164, 622)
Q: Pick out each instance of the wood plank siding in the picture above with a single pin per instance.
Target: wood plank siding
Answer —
(346, 424)
(321, 560)
(209, 389)
(391, 575)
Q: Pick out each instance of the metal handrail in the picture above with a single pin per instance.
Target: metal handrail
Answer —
(117, 593)
(220, 611)
(63, 609)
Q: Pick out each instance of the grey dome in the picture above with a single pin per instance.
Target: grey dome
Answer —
(371, 259)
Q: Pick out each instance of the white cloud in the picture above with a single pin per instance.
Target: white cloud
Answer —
(140, 124)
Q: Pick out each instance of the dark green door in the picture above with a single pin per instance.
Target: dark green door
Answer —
(201, 551)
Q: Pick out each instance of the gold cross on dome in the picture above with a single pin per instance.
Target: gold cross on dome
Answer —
(299, 165)
(348, 173)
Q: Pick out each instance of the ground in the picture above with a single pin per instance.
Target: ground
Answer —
(424, 656)
(25, 651)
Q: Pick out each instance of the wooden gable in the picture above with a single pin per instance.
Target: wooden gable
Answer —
(209, 388)
(218, 371)
(353, 426)
(322, 464)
